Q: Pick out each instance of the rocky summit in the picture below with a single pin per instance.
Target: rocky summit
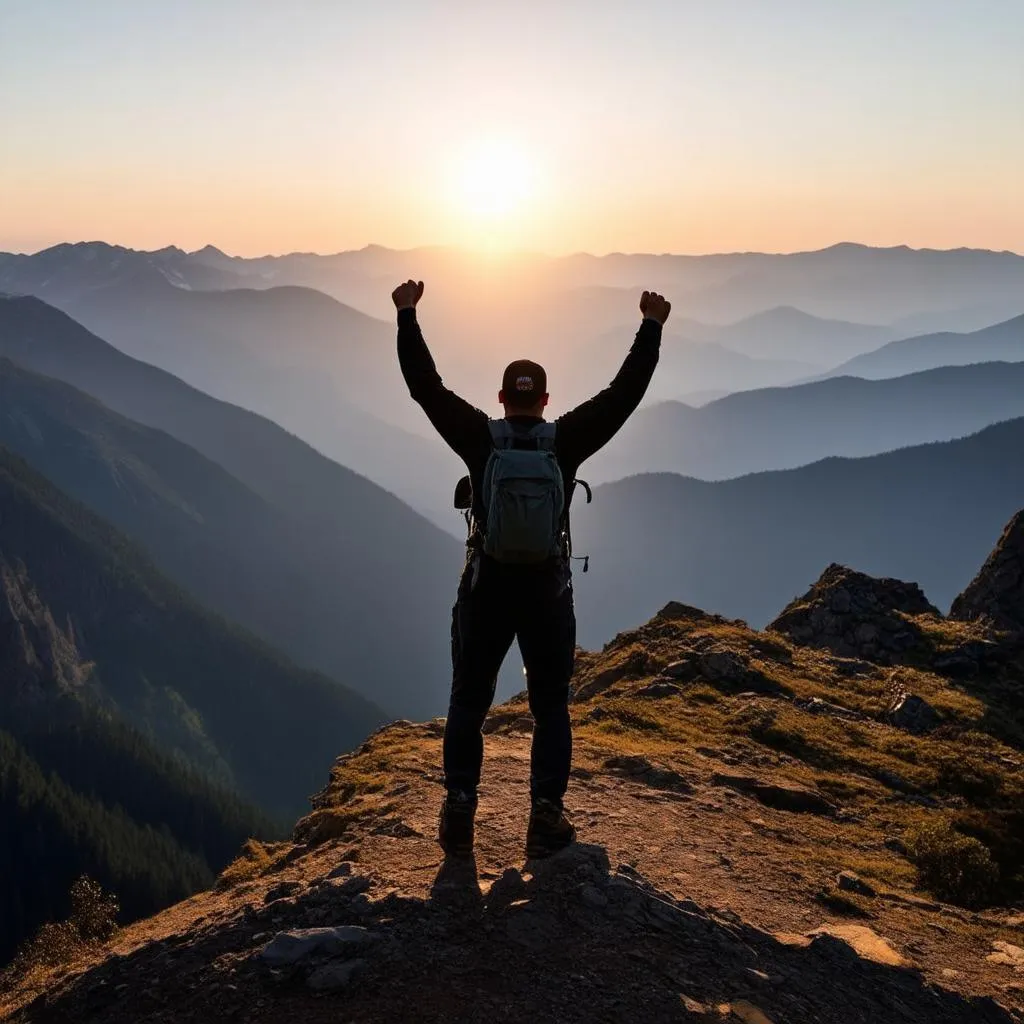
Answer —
(856, 616)
(805, 825)
(996, 594)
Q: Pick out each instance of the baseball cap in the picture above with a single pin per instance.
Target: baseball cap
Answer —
(524, 383)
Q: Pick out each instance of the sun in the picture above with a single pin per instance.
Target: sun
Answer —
(495, 180)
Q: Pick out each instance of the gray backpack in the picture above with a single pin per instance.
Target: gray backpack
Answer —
(523, 495)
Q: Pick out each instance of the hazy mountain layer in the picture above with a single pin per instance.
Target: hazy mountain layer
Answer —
(326, 590)
(370, 554)
(1002, 341)
(848, 282)
(744, 547)
(781, 428)
(270, 460)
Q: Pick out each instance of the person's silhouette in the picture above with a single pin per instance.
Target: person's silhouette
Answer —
(517, 581)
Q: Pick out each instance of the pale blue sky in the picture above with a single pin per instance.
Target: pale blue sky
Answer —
(682, 126)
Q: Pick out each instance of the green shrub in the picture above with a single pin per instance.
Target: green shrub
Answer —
(93, 911)
(952, 866)
(93, 920)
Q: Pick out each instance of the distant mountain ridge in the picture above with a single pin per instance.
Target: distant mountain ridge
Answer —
(745, 547)
(270, 460)
(786, 332)
(999, 342)
(703, 365)
(846, 281)
(782, 428)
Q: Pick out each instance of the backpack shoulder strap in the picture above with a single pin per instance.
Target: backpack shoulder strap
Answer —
(544, 434)
(503, 434)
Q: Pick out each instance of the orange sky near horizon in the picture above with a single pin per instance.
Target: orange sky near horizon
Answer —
(604, 126)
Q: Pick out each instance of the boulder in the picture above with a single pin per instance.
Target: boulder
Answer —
(684, 669)
(996, 594)
(281, 890)
(913, 713)
(725, 665)
(301, 944)
(1008, 955)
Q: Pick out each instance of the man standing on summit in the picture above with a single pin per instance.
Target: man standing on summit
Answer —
(517, 581)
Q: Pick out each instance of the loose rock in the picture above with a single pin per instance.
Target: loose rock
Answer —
(292, 947)
(864, 941)
(913, 713)
(849, 881)
(1008, 955)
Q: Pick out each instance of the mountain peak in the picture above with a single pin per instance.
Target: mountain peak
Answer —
(855, 615)
(996, 594)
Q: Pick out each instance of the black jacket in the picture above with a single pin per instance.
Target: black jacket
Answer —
(579, 433)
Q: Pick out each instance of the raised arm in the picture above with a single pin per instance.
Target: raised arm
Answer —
(590, 426)
(453, 417)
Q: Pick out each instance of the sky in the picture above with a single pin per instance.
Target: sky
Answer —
(605, 125)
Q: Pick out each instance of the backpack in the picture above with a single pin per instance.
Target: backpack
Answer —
(523, 495)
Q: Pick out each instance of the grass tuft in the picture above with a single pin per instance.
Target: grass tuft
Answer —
(952, 866)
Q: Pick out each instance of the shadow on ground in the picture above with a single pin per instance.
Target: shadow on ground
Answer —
(568, 940)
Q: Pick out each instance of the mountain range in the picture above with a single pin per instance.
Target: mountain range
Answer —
(782, 428)
(271, 460)
(313, 557)
(785, 332)
(215, 571)
(847, 281)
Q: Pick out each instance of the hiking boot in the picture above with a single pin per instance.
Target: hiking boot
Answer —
(455, 829)
(549, 830)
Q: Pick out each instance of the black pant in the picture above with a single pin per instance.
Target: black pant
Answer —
(497, 604)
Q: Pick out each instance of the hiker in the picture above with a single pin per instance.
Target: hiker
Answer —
(517, 580)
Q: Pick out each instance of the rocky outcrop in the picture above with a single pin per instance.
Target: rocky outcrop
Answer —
(996, 594)
(857, 616)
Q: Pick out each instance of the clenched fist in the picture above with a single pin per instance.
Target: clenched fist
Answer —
(406, 295)
(655, 306)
